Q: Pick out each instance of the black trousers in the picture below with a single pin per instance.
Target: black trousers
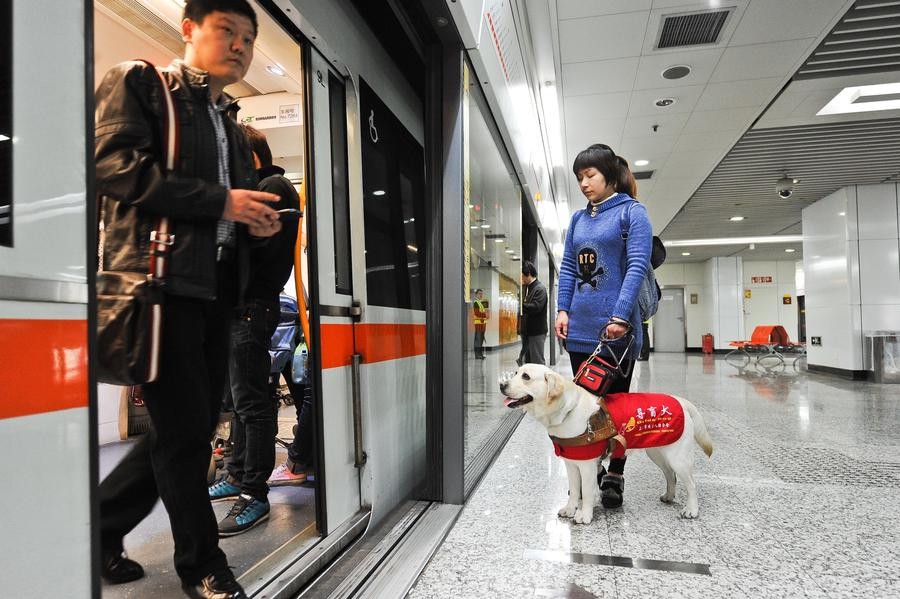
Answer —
(255, 411)
(616, 466)
(301, 452)
(171, 461)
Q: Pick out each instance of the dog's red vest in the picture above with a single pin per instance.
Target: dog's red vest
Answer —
(644, 419)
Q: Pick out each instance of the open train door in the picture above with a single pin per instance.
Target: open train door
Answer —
(332, 307)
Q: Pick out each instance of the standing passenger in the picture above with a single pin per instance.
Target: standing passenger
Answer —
(534, 317)
(479, 319)
(212, 202)
(601, 274)
(255, 421)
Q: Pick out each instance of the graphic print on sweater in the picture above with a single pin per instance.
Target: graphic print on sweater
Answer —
(590, 271)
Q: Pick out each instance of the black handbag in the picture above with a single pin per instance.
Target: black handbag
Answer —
(130, 304)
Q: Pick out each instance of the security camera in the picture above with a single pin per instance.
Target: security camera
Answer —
(784, 187)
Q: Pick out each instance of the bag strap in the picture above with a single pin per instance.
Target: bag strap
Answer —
(161, 239)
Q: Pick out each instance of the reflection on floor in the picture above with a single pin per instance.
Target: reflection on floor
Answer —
(484, 408)
(292, 513)
(798, 500)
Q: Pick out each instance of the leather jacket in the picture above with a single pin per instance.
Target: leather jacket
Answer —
(134, 191)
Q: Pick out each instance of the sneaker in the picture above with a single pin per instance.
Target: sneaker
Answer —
(282, 477)
(246, 513)
(218, 585)
(223, 488)
(116, 568)
(612, 486)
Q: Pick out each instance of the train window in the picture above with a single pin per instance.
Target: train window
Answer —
(339, 182)
(6, 144)
(393, 170)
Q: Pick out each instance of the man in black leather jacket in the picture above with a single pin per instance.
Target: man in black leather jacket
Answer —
(212, 204)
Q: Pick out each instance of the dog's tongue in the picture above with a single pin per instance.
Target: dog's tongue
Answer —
(508, 401)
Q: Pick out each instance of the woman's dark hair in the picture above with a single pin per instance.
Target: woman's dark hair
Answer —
(196, 10)
(258, 144)
(626, 181)
(528, 269)
(602, 158)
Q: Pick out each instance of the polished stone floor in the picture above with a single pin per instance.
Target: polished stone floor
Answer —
(800, 499)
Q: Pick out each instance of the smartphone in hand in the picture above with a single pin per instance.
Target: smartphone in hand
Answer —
(289, 214)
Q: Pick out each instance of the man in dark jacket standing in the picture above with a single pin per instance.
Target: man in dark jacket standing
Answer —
(255, 419)
(212, 204)
(534, 317)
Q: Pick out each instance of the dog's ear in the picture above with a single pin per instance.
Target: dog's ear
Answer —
(555, 384)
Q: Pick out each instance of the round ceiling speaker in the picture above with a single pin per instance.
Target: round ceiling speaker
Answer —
(676, 72)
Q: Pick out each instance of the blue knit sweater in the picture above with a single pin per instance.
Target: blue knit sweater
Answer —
(592, 284)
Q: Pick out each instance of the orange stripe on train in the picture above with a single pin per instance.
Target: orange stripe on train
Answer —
(43, 366)
(376, 342)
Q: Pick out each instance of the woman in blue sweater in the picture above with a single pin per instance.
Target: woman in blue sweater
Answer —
(606, 256)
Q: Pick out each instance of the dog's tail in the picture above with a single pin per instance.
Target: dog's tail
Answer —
(701, 435)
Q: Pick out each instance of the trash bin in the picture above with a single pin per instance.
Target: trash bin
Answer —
(708, 344)
(885, 352)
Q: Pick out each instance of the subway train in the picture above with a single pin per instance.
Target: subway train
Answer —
(364, 105)
(431, 143)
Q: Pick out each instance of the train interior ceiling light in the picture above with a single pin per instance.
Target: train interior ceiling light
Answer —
(864, 98)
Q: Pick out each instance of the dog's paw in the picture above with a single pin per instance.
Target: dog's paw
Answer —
(666, 498)
(690, 513)
(584, 516)
(567, 511)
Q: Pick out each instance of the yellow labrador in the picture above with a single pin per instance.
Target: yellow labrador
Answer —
(661, 425)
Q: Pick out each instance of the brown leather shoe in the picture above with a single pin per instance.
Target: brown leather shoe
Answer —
(218, 585)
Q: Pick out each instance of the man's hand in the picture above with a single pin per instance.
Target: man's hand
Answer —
(562, 325)
(249, 207)
(265, 231)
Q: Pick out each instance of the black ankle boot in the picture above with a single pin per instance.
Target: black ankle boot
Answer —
(612, 486)
(116, 568)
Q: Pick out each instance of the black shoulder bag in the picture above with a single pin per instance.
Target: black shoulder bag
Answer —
(130, 304)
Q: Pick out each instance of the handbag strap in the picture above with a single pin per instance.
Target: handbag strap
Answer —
(161, 238)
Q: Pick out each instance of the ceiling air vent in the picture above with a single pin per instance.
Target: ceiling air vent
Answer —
(643, 174)
(692, 29)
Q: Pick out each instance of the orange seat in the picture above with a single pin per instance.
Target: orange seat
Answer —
(766, 334)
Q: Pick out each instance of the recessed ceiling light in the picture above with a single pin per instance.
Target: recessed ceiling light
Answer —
(276, 70)
(500, 240)
(474, 227)
(736, 219)
(864, 98)
(379, 192)
(790, 250)
(510, 251)
(485, 226)
(3, 137)
(641, 162)
(685, 253)
(677, 72)
(842, 213)
(663, 102)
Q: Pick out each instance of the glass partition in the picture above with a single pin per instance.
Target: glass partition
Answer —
(493, 238)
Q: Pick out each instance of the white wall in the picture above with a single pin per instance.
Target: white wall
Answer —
(697, 317)
(766, 302)
(852, 272)
(718, 284)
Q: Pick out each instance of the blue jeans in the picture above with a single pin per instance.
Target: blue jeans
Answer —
(255, 413)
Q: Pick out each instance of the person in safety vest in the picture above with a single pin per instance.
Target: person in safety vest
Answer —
(479, 307)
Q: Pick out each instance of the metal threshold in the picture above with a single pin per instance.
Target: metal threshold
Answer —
(391, 568)
(289, 568)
